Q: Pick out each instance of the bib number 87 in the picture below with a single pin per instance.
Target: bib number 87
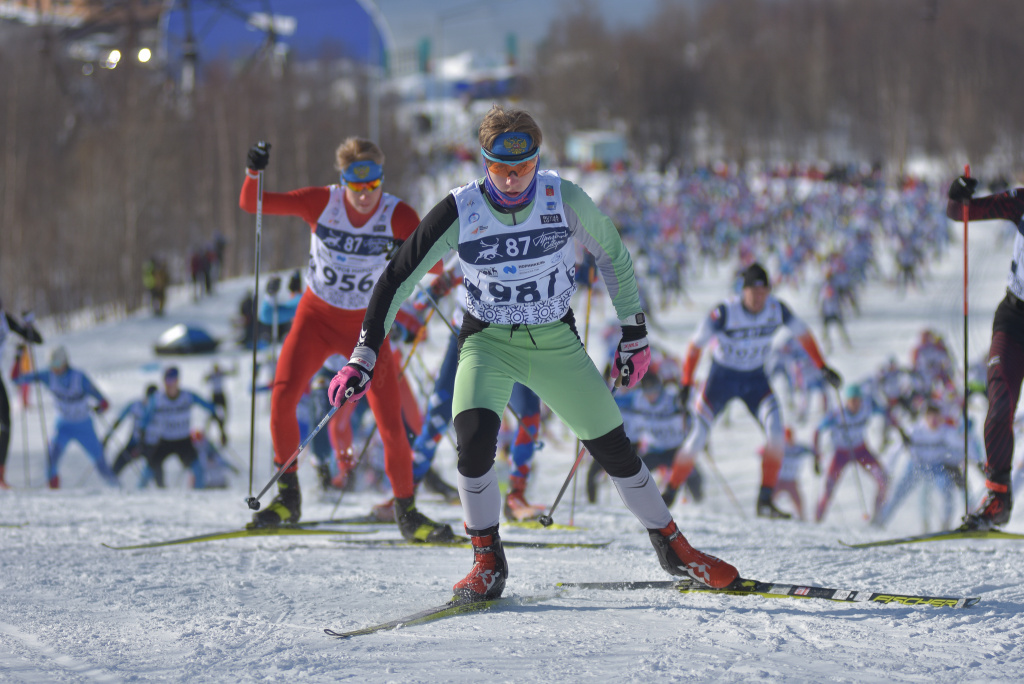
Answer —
(347, 281)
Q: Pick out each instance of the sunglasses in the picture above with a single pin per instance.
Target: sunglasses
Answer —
(367, 186)
(505, 169)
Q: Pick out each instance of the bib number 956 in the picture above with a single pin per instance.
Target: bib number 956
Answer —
(346, 282)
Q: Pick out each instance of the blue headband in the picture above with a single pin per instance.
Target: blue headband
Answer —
(362, 172)
(511, 147)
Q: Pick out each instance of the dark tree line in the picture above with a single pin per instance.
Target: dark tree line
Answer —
(100, 172)
(838, 80)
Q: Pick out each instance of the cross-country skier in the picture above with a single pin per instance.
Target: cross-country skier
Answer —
(793, 455)
(744, 326)
(1006, 353)
(523, 402)
(656, 419)
(72, 389)
(513, 231)
(847, 426)
(935, 449)
(141, 440)
(170, 411)
(356, 226)
(24, 329)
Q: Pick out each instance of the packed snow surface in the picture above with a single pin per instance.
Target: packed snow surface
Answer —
(255, 609)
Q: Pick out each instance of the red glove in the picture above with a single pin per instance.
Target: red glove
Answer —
(102, 406)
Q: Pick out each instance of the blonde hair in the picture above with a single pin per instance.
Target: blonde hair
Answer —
(501, 120)
(357, 149)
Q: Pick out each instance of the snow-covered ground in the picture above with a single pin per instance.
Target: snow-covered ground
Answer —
(255, 609)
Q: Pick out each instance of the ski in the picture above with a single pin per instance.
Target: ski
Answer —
(464, 542)
(535, 525)
(944, 535)
(232, 534)
(749, 587)
(368, 519)
(456, 606)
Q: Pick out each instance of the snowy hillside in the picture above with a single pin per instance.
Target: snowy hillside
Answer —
(255, 609)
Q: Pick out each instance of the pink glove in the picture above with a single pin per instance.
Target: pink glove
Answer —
(633, 355)
(352, 381)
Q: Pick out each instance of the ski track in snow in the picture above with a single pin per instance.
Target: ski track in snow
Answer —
(253, 610)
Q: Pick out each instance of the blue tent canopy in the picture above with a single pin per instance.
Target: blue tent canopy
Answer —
(235, 29)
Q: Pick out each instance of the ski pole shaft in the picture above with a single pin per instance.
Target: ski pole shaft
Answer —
(586, 343)
(546, 520)
(373, 430)
(255, 331)
(966, 213)
(42, 410)
(254, 501)
(724, 483)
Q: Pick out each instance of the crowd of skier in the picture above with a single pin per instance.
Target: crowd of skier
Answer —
(379, 278)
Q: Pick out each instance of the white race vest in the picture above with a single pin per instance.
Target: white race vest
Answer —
(1014, 280)
(848, 428)
(345, 262)
(172, 418)
(661, 423)
(522, 273)
(69, 391)
(746, 339)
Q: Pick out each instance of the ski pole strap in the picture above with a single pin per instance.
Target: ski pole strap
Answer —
(309, 438)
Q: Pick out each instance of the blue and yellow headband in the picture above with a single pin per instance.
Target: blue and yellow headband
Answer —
(511, 148)
(362, 172)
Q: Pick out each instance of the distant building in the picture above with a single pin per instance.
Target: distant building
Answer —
(598, 149)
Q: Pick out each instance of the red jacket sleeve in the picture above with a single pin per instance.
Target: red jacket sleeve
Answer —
(306, 203)
(403, 223)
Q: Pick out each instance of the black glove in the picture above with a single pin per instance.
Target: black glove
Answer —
(684, 395)
(442, 285)
(832, 377)
(817, 464)
(259, 155)
(962, 189)
(273, 285)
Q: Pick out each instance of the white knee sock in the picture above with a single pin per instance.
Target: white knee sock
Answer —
(481, 500)
(642, 498)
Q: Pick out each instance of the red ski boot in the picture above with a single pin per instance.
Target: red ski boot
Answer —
(517, 508)
(487, 578)
(679, 558)
(995, 508)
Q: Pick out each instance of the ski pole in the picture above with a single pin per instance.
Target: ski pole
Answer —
(586, 342)
(724, 483)
(966, 212)
(373, 430)
(24, 444)
(254, 501)
(42, 410)
(546, 520)
(255, 334)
